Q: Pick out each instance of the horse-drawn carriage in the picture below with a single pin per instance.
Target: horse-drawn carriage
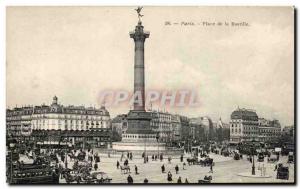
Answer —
(282, 172)
(236, 156)
(201, 161)
(260, 157)
(125, 169)
(290, 157)
(86, 176)
(207, 179)
(38, 172)
(100, 177)
(34, 176)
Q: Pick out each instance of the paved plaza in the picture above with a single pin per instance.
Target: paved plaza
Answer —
(226, 170)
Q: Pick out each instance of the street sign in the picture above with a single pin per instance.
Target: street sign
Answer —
(277, 149)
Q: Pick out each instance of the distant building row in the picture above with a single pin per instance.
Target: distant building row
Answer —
(94, 127)
(245, 125)
(175, 129)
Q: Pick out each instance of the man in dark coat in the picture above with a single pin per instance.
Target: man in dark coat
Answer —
(169, 178)
(163, 168)
(179, 180)
(136, 169)
(118, 164)
(129, 179)
(96, 166)
(176, 169)
(146, 181)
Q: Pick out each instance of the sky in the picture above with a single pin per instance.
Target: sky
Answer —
(77, 52)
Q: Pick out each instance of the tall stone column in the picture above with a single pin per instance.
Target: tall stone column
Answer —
(139, 37)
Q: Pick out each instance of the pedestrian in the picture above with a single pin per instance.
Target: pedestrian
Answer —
(146, 181)
(186, 181)
(181, 158)
(155, 157)
(161, 157)
(183, 166)
(125, 162)
(136, 169)
(118, 164)
(169, 177)
(211, 168)
(179, 180)
(152, 157)
(96, 166)
(131, 156)
(147, 159)
(143, 154)
(163, 168)
(176, 169)
(129, 179)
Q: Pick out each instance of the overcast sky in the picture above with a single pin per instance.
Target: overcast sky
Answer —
(77, 52)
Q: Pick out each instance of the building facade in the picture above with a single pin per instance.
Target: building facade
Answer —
(18, 121)
(269, 130)
(222, 131)
(119, 126)
(243, 125)
(161, 123)
(197, 131)
(176, 129)
(56, 123)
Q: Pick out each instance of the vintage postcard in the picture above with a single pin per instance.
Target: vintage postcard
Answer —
(150, 95)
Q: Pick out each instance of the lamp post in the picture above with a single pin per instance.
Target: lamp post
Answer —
(145, 150)
(253, 160)
(157, 137)
(12, 146)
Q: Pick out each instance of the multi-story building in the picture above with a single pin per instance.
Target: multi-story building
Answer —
(243, 125)
(176, 129)
(79, 125)
(161, 123)
(119, 126)
(18, 121)
(207, 130)
(197, 131)
(288, 130)
(185, 131)
(269, 130)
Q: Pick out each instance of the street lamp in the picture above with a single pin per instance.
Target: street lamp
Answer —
(11, 146)
(157, 137)
(145, 149)
(253, 160)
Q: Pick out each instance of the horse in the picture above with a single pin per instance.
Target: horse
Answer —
(191, 161)
(125, 169)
